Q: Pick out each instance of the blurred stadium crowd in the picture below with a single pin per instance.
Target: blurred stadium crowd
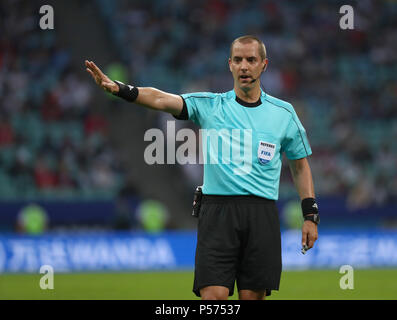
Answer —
(342, 83)
(52, 142)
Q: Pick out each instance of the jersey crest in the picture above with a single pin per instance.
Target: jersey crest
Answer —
(266, 151)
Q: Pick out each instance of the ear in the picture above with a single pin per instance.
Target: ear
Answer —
(266, 61)
(230, 65)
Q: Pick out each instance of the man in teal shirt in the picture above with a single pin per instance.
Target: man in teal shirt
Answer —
(238, 231)
(274, 128)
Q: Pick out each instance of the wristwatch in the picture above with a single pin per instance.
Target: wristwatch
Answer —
(313, 218)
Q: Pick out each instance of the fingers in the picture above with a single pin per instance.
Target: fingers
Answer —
(95, 72)
(309, 235)
(304, 238)
(101, 79)
(310, 241)
(312, 238)
(90, 65)
(94, 68)
(90, 72)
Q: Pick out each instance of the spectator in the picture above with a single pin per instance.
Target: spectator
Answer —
(44, 177)
(95, 122)
(6, 132)
(43, 107)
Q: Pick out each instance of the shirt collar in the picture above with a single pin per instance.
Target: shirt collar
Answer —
(249, 104)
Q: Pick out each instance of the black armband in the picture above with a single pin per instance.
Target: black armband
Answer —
(184, 115)
(127, 92)
(309, 206)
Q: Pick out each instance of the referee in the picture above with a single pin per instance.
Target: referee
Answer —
(239, 235)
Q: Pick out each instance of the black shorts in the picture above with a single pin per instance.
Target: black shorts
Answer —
(238, 239)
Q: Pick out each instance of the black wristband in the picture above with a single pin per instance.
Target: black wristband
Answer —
(127, 92)
(309, 206)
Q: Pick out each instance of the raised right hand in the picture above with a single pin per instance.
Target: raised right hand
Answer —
(100, 78)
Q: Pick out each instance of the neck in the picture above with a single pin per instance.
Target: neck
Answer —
(248, 94)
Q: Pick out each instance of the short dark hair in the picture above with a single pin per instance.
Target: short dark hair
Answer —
(250, 38)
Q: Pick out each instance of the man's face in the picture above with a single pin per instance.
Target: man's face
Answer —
(246, 64)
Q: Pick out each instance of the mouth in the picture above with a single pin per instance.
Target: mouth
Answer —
(245, 78)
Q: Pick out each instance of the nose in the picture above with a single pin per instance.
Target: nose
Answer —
(244, 65)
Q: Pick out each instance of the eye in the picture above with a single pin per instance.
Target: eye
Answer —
(237, 59)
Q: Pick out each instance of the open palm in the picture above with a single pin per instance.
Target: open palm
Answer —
(100, 78)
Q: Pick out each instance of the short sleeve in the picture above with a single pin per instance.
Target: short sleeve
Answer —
(184, 114)
(295, 144)
(198, 105)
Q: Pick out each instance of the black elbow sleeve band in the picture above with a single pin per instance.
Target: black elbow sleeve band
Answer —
(127, 92)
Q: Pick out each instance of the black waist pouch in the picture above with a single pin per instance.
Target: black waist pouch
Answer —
(198, 195)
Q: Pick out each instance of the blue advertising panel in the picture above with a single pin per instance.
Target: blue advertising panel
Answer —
(333, 249)
(98, 252)
(140, 251)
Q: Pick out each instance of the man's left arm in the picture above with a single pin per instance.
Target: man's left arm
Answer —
(303, 181)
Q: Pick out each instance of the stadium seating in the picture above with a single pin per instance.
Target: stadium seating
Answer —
(345, 81)
(47, 121)
(342, 84)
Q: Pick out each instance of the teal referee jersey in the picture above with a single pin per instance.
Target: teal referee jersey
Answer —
(242, 143)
